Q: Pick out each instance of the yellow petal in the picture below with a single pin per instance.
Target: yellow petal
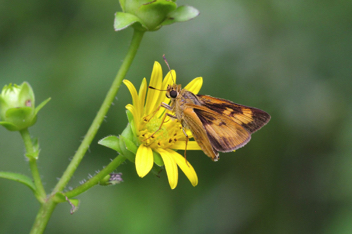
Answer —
(156, 82)
(170, 167)
(141, 94)
(191, 145)
(134, 95)
(195, 85)
(144, 160)
(186, 167)
(132, 109)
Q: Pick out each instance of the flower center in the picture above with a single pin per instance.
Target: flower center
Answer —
(155, 134)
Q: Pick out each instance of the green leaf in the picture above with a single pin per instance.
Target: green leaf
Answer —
(36, 150)
(181, 14)
(111, 142)
(157, 159)
(34, 155)
(156, 170)
(130, 120)
(158, 163)
(35, 143)
(41, 105)
(129, 145)
(125, 152)
(124, 20)
(60, 197)
(9, 126)
(74, 204)
(19, 178)
(127, 132)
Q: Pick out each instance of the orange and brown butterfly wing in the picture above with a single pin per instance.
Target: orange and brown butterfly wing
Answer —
(224, 134)
(193, 123)
(221, 132)
(252, 119)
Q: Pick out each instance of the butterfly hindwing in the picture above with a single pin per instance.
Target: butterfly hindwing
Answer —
(250, 118)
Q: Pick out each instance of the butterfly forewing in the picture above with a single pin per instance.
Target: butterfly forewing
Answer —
(224, 134)
(192, 122)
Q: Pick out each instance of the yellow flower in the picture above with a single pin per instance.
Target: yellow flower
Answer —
(147, 119)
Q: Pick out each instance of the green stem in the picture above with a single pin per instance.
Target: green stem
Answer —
(43, 216)
(98, 177)
(48, 207)
(136, 39)
(39, 189)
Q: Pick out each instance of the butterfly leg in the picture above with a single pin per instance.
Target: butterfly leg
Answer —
(153, 113)
(167, 107)
(184, 132)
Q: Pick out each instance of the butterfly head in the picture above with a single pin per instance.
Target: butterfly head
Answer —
(173, 91)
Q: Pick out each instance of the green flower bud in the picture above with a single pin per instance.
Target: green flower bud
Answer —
(17, 107)
(148, 15)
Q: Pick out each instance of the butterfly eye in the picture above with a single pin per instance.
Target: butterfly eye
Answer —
(173, 94)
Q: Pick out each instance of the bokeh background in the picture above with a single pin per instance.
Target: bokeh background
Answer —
(290, 58)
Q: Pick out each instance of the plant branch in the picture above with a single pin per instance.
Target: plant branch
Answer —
(39, 189)
(136, 39)
(48, 207)
(98, 177)
(43, 216)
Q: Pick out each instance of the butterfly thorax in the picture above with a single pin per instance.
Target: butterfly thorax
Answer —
(180, 98)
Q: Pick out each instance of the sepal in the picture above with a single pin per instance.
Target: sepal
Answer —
(181, 14)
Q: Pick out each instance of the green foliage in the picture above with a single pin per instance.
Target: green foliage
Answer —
(19, 178)
(289, 58)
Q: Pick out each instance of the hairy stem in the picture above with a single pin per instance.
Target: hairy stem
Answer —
(43, 216)
(48, 207)
(98, 177)
(137, 37)
(39, 189)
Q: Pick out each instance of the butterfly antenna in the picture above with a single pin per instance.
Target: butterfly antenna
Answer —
(168, 67)
(151, 87)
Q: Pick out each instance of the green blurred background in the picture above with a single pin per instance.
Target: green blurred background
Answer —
(290, 58)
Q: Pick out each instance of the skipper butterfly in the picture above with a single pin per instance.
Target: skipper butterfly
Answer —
(217, 125)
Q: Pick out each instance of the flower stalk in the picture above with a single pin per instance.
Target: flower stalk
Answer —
(39, 189)
(98, 177)
(43, 216)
